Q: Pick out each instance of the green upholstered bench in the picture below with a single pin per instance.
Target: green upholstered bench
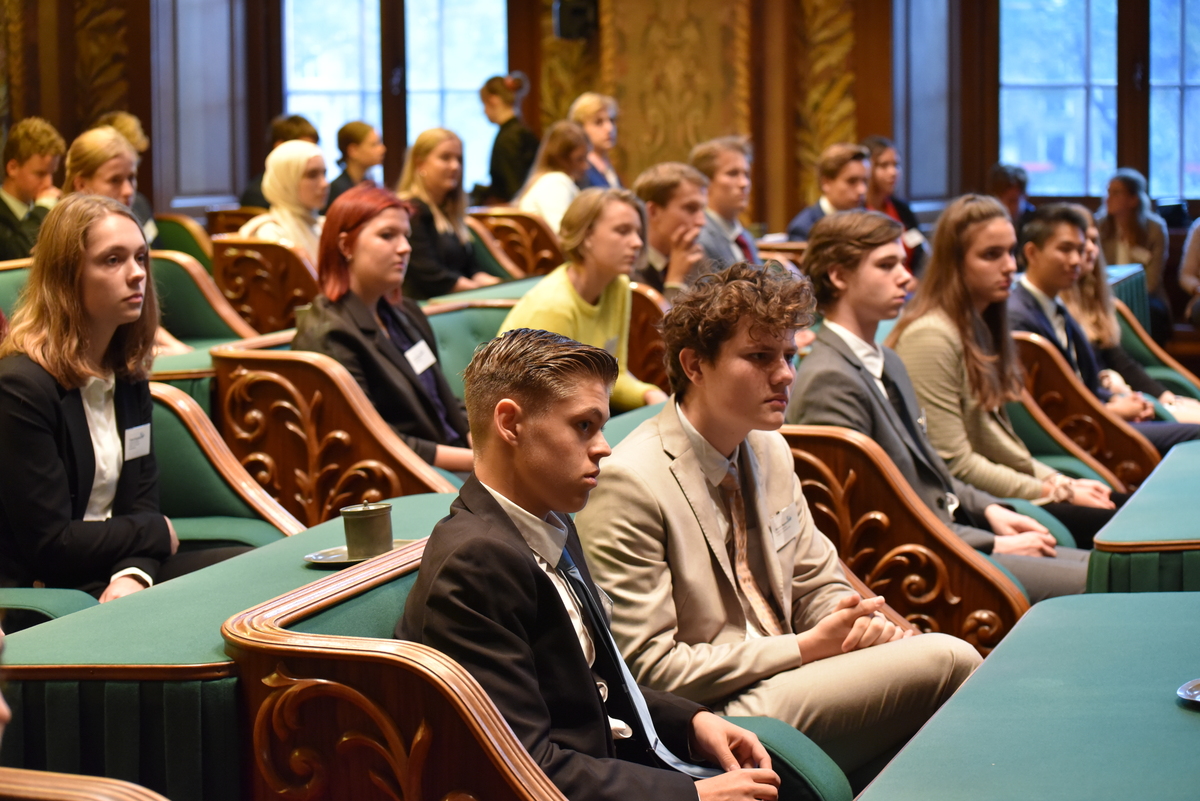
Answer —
(324, 656)
(193, 309)
(185, 235)
(141, 689)
(1077, 703)
(13, 275)
(1152, 543)
(503, 291)
(460, 327)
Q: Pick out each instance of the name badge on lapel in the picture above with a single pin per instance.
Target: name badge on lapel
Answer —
(420, 357)
(137, 442)
(785, 526)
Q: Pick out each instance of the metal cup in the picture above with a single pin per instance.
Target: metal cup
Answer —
(368, 529)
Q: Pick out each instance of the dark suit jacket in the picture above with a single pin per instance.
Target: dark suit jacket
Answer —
(438, 260)
(513, 153)
(46, 477)
(803, 222)
(17, 237)
(1025, 314)
(346, 331)
(916, 260)
(343, 183)
(481, 599)
(594, 178)
(253, 195)
(833, 388)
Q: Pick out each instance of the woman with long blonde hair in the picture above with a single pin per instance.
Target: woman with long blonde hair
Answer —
(588, 299)
(79, 481)
(443, 258)
(553, 183)
(954, 341)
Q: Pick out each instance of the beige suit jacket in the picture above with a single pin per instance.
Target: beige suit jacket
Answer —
(980, 447)
(652, 541)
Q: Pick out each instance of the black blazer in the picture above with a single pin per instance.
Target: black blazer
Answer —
(347, 332)
(438, 260)
(803, 222)
(513, 154)
(481, 599)
(17, 237)
(47, 467)
(834, 388)
(1025, 314)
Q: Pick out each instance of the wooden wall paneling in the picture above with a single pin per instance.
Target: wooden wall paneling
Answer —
(976, 40)
(525, 54)
(1133, 85)
(825, 102)
(140, 63)
(394, 102)
(55, 59)
(901, 101)
(775, 194)
(566, 68)
(263, 49)
(872, 58)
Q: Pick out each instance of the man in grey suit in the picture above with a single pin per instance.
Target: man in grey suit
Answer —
(856, 262)
(723, 589)
(726, 163)
(675, 195)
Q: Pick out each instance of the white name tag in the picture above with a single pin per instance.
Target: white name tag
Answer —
(137, 442)
(420, 357)
(912, 238)
(785, 526)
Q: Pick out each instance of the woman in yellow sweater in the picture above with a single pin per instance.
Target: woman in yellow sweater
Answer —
(588, 298)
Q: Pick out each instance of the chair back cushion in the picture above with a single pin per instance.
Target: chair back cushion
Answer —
(11, 284)
(460, 330)
(186, 313)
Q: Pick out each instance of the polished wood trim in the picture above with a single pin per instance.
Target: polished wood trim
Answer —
(228, 219)
(1068, 444)
(275, 339)
(17, 784)
(260, 642)
(525, 237)
(182, 375)
(16, 264)
(236, 476)
(1152, 546)
(264, 281)
(202, 671)
(646, 357)
(1133, 85)
(525, 54)
(975, 129)
(1052, 383)
(495, 248)
(1152, 346)
(264, 77)
(207, 286)
(394, 89)
(897, 545)
(872, 55)
(193, 228)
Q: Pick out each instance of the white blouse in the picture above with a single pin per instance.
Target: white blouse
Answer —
(549, 197)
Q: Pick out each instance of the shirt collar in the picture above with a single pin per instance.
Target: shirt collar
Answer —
(731, 231)
(1049, 305)
(714, 465)
(868, 353)
(826, 206)
(547, 538)
(19, 208)
(657, 260)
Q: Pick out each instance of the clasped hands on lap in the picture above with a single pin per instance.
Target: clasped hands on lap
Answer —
(854, 624)
(746, 763)
(127, 585)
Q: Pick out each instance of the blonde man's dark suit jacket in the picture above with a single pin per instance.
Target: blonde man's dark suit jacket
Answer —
(482, 599)
(652, 539)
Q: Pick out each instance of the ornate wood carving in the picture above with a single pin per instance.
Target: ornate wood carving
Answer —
(526, 238)
(264, 281)
(39, 785)
(397, 771)
(223, 220)
(887, 537)
(305, 431)
(647, 351)
(101, 55)
(570, 67)
(1080, 415)
(494, 248)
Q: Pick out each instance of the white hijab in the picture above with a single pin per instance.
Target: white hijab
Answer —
(281, 187)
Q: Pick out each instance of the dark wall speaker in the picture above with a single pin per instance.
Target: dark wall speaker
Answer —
(574, 19)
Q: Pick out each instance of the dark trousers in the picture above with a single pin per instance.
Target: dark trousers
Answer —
(1164, 436)
(1084, 521)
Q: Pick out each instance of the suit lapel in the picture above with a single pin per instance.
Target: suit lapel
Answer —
(80, 446)
(685, 467)
(364, 318)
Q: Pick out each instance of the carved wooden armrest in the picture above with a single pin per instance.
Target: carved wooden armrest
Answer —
(1080, 414)
(309, 435)
(647, 356)
(17, 784)
(263, 281)
(526, 238)
(895, 544)
(341, 717)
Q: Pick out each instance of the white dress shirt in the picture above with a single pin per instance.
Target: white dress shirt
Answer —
(101, 414)
(1051, 309)
(547, 538)
(868, 353)
(21, 209)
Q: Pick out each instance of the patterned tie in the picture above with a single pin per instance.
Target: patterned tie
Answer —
(764, 615)
(743, 242)
(591, 610)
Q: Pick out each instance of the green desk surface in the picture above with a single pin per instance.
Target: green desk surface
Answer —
(179, 622)
(1077, 702)
(504, 291)
(1128, 283)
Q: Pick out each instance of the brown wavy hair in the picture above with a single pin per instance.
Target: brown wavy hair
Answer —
(707, 314)
(50, 325)
(1090, 300)
(992, 367)
(844, 240)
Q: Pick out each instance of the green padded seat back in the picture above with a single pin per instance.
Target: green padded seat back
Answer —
(186, 313)
(458, 333)
(620, 426)
(1173, 381)
(173, 236)
(1134, 346)
(1044, 447)
(373, 613)
(503, 291)
(11, 284)
(188, 484)
(485, 259)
